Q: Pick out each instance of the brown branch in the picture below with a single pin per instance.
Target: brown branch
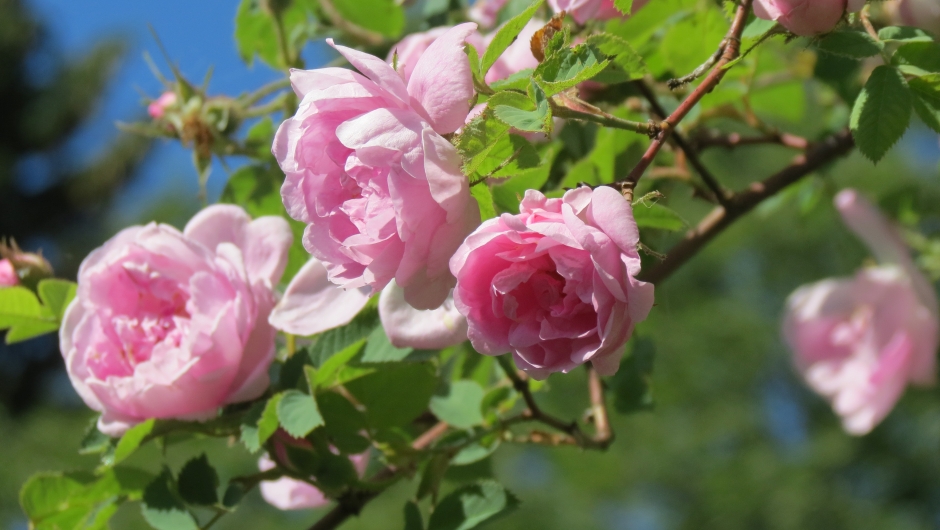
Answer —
(690, 153)
(732, 48)
(742, 203)
(599, 406)
(698, 72)
(353, 502)
(601, 440)
(733, 140)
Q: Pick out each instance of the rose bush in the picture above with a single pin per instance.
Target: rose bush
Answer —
(555, 285)
(170, 324)
(367, 169)
(860, 341)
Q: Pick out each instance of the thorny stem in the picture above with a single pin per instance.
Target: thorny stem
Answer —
(698, 72)
(730, 141)
(575, 109)
(732, 47)
(689, 151)
(745, 201)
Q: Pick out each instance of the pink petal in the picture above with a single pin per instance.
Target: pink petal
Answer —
(312, 304)
(380, 72)
(441, 83)
(423, 329)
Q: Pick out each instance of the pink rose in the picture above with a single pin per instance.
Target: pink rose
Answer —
(517, 57)
(8, 276)
(407, 327)
(157, 107)
(292, 494)
(859, 341)
(486, 12)
(555, 285)
(806, 17)
(412, 47)
(174, 325)
(367, 169)
(923, 14)
(583, 10)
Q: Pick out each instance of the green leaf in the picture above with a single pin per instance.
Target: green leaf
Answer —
(923, 55)
(260, 423)
(632, 385)
(380, 350)
(849, 43)
(881, 113)
(343, 423)
(381, 16)
(569, 67)
(517, 81)
(460, 406)
(23, 315)
(413, 519)
(474, 453)
(624, 6)
(298, 413)
(904, 34)
(162, 507)
(338, 339)
(926, 91)
(624, 63)
(506, 35)
(479, 138)
(658, 216)
(95, 441)
(328, 370)
(198, 482)
(484, 197)
(132, 440)
(381, 393)
(508, 193)
(256, 33)
(57, 294)
(531, 114)
(79, 499)
(689, 42)
(471, 506)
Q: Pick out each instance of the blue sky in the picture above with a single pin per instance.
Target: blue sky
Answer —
(197, 34)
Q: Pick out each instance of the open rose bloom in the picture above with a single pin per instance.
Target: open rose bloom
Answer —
(170, 324)
(554, 285)
(806, 17)
(369, 172)
(860, 341)
(584, 10)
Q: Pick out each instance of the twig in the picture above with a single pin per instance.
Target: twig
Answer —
(698, 72)
(368, 37)
(266, 90)
(601, 440)
(742, 203)
(731, 50)
(689, 151)
(730, 141)
(352, 502)
(598, 406)
(575, 109)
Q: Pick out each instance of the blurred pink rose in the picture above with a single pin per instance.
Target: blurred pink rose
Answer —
(923, 14)
(174, 325)
(292, 494)
(368, 170)
(806, 17)
(157, 108)
(555, 285)
(583, 10)
(859, 341)
(486, 12)
(8, 277)
(517, 57)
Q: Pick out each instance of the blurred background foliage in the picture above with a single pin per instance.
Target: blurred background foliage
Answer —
(734, 440)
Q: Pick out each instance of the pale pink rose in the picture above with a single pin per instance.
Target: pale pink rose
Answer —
(8, 276)
(171, 324)
(517, 57)
(412, 47)
(157, 107)
(859, 341)
(924, 14)
(554, 285)
(313, 304)
(408, 327)
(583, 10)
(806, 17)
(486, 12)
(368, 170)
(290, 493)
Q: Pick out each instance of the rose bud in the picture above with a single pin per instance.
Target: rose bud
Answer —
(22, 268)
(555, 285)
(157, 107)
(170, 324)
(859, 341)
(806, 17)
(924, 14)
(367, 169)
(8, 276)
